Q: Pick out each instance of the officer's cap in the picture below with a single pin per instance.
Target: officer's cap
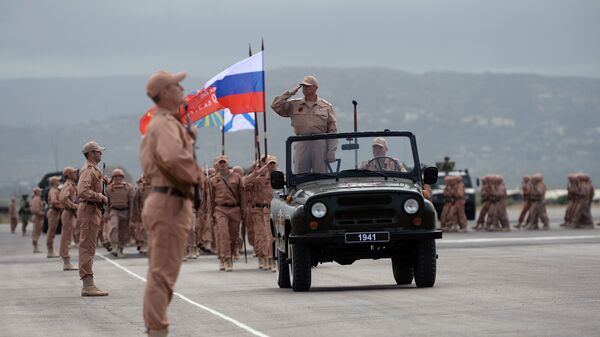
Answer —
(92, 146)
(161, 79)
(310, 81)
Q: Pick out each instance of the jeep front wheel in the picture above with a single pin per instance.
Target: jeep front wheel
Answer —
(403, 271)
(425, 264)
(283, 270)
(300, 267)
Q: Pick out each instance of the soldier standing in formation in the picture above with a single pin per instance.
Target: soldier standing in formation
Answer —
(54, 211)
(226, 187)
(89, 215)
(167, 158)
(24, 213)
(525, 190)
(249, 203)
(485, 203)
(582, 195)
(537, 196)
(119, 206)
(38, 210)
(497, 216)
(141, 193)
(206, 222)
(310, 114)
(68, 200)
(453, 213)
(259, 184)
(12, 213)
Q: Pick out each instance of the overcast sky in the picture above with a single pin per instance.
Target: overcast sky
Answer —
(110, 37)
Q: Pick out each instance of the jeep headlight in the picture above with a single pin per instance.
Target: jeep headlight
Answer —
(318, 210)
(411, 206)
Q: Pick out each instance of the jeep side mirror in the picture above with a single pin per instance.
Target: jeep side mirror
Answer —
(430, 175)
(277, 180)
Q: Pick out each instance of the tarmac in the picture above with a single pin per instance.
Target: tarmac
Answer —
(520, 283)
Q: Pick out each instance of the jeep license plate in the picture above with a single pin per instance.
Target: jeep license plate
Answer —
(367, 237)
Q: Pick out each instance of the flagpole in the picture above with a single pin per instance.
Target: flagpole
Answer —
(223, 138)
(262, 48)
(256, 136)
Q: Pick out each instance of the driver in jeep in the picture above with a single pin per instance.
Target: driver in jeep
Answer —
(380, 161)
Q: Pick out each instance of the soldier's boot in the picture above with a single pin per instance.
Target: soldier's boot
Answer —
(195, 253)
(89, 289)
(158, 333)
(228, 264)
(36, 248)
(519, 225)
(272, 265)
(236, 256)
(115, 249)
(120, 252)
(221, 264)
(67, 265)
(107, 246)
(51, 253)
(261, 263)
(143, 249)
(190, 253)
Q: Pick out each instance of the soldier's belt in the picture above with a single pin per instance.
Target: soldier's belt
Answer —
(168, 190)
(57, 209)
(228, 205)
(92, 203)
(120, 208)
(261, 205)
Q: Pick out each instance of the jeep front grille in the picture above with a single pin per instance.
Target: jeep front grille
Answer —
(362, 200)
(363, 217)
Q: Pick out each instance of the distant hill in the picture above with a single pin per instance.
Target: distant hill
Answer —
(511, 124)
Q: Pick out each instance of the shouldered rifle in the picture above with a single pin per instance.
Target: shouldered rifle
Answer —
(103, 205)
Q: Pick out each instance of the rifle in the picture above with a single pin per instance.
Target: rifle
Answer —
(103, 206)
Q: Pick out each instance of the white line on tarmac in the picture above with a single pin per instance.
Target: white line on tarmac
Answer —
(524, 239)
(212, 311)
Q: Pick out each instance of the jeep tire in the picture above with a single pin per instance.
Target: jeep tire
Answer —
(283, 270)
(403, 271)
(300, 267)
(425, 264)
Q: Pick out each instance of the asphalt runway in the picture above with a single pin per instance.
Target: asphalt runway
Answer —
(520, 283)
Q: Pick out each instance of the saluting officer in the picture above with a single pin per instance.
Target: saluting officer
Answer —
(53, 215)
(310, 114)
(68, 200)
(89, 214)
(119, 202)
(167, 158)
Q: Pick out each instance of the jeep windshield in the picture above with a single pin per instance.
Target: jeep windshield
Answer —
(363, 154)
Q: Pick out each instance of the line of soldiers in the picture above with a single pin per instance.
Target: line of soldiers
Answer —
(453, 218)
(493, 215)
(580, 193)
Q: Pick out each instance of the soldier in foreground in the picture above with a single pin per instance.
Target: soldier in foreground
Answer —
(24, 213)
(54, 212)
(12, 214)
(310, 114)
(167, 158)
(37, 208)
(68, 200)
(119, 202)
(89, 214)
(226, 187)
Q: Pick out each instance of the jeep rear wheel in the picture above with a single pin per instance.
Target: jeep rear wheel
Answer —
(425, 264)
(403, 271)
(300, 267)
(283, 270)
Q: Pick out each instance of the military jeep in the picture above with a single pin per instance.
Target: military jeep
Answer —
(367, 204)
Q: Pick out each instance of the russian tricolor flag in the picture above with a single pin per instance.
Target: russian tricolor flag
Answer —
(241, 87)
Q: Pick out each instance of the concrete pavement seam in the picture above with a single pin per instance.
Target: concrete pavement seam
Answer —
(534, 238)
(212, 311)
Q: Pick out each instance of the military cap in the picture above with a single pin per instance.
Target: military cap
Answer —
(92, 146)
(310, 81)
(272, 159)
(161, 79)
(380, 141)
(68, 170)
(35, 190)
(221, 157)
(53, 179)
(118, 172)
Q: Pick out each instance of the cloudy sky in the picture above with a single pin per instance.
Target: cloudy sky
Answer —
(80, 38)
